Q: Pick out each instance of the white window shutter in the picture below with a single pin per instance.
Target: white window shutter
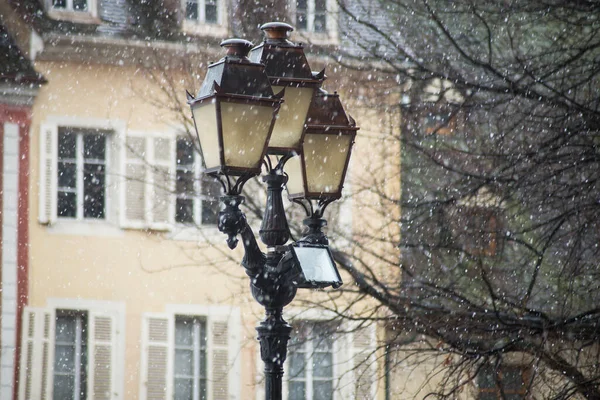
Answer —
(157, 357)
(163, 183)
(102, 339)
(133, 195)
(47, 173)
(37, 354)
(219, 361)
(364, 362)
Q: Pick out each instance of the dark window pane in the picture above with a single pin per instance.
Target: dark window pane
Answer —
(64, 385)
(67, 145)
(64, 358)
(513, 396)
(59, 3)
(184, 363)
(191, 10)
(320, 23)
(512, 379)
(487, 396)
(301, 5)
(210, 13)
(486, 378)
(80, 5)
(184, 211)
(301, 22)
(94, 147)
(93, 191)
(320, 5)
(184, 329)
(297, 365)
(322, 365)
(185, 152)
(183, 389)
(211, 191)
(67, 175)
(202, 387)
(185, 182)
(297, 391)
(210, 212)
(66, 205)
(322, 390)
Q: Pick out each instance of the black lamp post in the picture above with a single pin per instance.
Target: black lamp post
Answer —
(236, 118)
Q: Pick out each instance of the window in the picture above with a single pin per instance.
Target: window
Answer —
(191, 352)
(311, 15)
(71, 5)
(190, 358)
(191, 208)
(439, 122)
(203, 11)
(70, 355)
(475, 229)
(81, 174)
(507, 383)
(311, 362)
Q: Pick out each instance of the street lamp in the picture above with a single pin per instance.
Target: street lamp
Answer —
(237, 123)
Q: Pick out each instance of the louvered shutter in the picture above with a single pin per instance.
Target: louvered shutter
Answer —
(157, 357)
(220, 357)
(364, 362)
(37, 354)
(133, 195)
(47, 173)
(162, 183)
(102, 338)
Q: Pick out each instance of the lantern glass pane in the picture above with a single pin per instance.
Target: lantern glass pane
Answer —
(316, 264)
(245, 131)
(295, 183)
(292, 115)
(325, 157)
(205, 116)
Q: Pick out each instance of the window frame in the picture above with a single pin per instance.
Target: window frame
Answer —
(88, 16)
(199, 26)
(198, 347)
(329, 35)
(48, 177)
(81, 326)
(80, 162)
(347, 351)
(198, 197)
(309, 351)
(38, 343)
(497, 378)
(214, 315)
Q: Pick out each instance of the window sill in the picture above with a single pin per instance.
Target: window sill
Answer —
(102, 228)
(81, 17)
(204, 29)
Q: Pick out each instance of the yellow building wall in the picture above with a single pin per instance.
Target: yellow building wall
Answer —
(144, 269)
(148, 270)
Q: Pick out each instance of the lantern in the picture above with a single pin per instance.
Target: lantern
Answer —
(318, 172)
(234, 112)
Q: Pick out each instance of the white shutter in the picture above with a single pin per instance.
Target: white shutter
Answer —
(37, 354)
(162, 208)
(102, 339)
(364, 362)
(133, 195)
(219, 361)
(47, 173)
(157, 357)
